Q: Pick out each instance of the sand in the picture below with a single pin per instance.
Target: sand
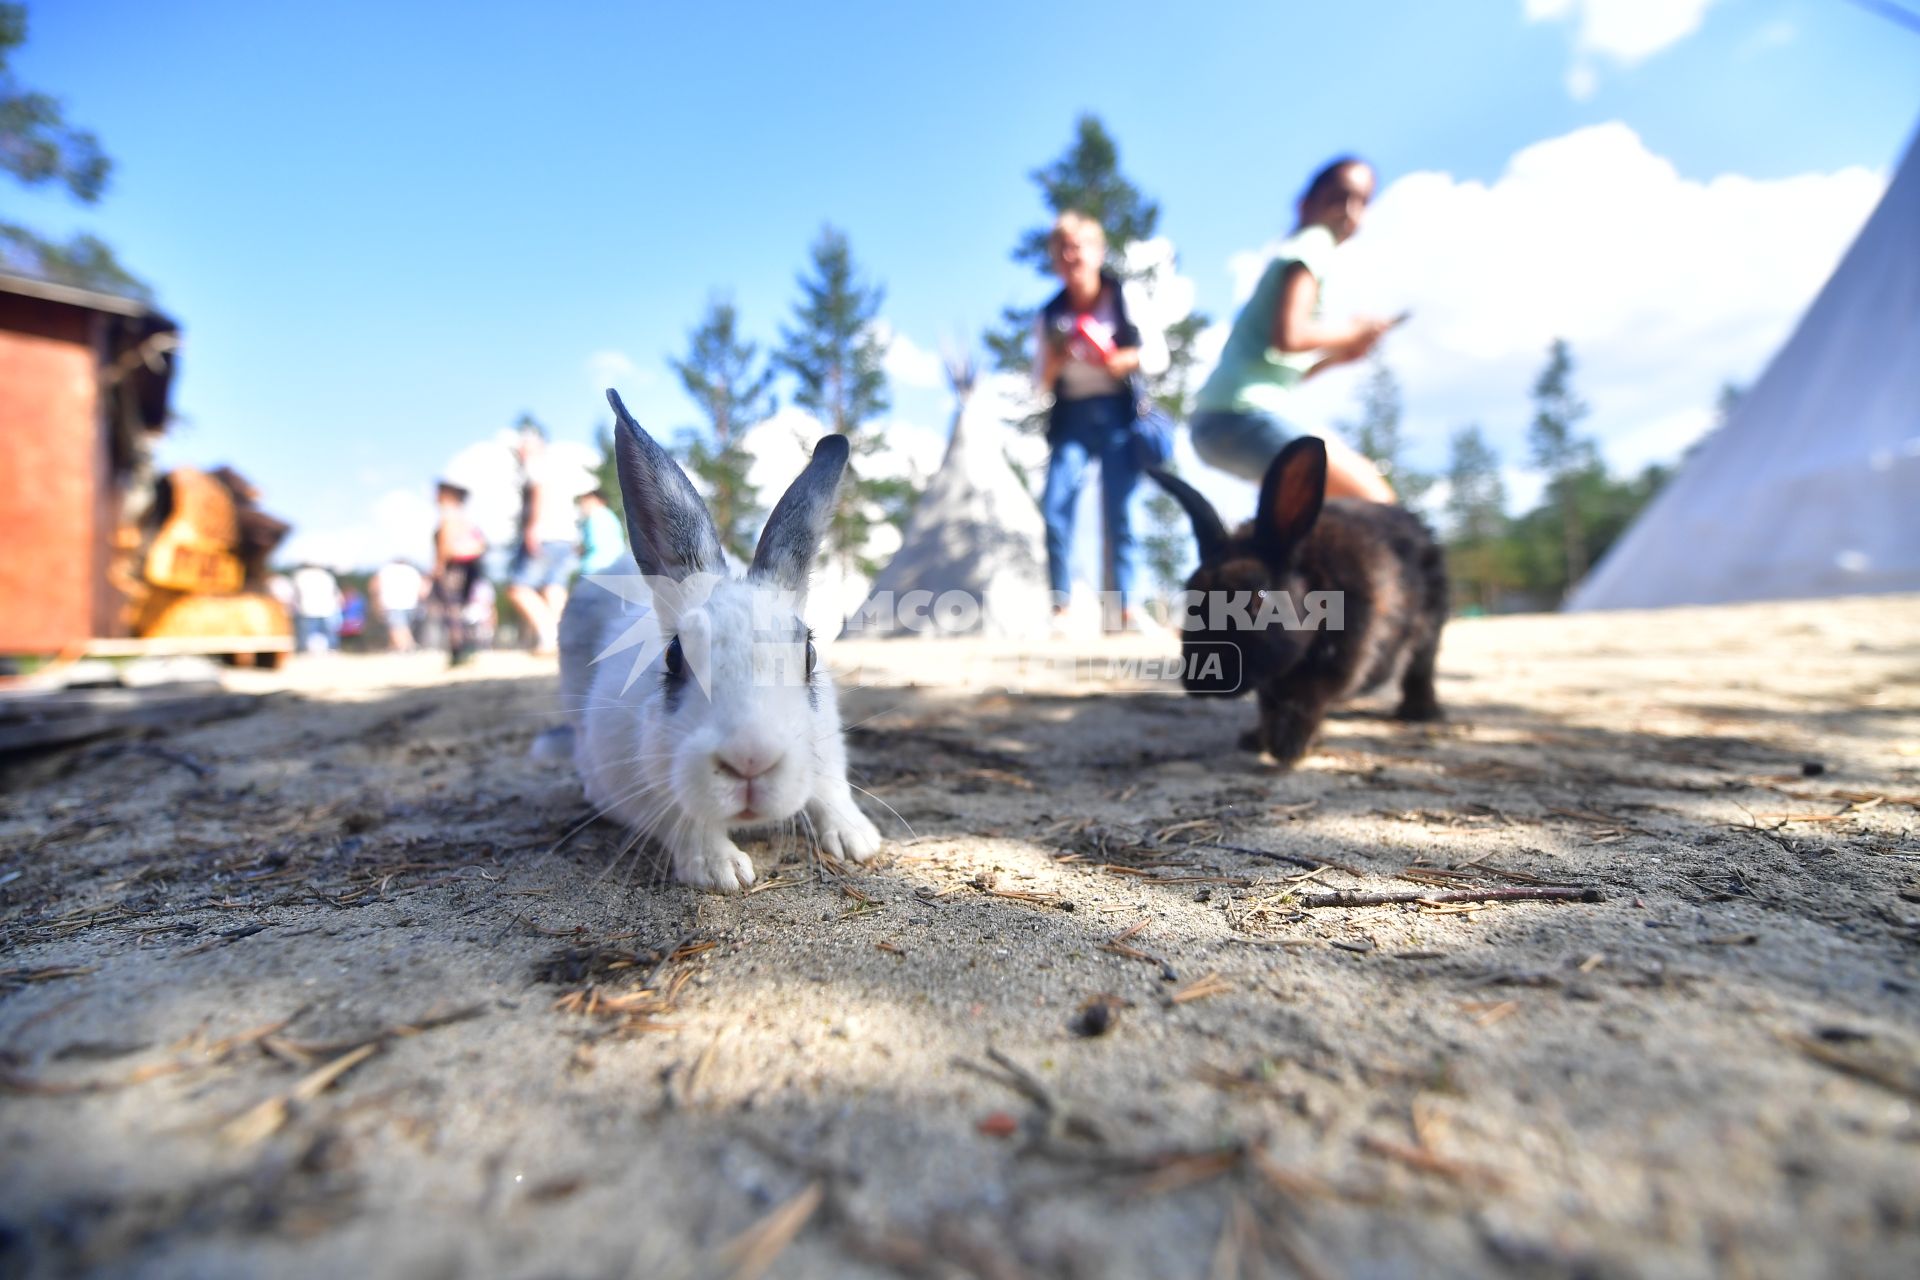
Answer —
(319, 990)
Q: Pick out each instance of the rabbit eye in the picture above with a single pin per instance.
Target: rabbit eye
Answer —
(813, 657)
(676, 658)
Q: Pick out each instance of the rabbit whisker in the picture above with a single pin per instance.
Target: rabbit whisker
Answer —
(889, 808)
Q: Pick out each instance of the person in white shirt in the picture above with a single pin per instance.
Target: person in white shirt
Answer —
(547, 553)
(316, 609)
(397, 588)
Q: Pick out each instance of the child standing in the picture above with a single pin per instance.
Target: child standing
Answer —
(458, 546)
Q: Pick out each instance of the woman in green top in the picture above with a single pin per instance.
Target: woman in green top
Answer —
(1242, 416)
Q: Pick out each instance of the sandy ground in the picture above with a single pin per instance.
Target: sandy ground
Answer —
(311, 991)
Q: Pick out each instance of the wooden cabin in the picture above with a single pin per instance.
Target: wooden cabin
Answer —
(84, 381)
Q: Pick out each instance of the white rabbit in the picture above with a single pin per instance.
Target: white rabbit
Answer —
(732, 724)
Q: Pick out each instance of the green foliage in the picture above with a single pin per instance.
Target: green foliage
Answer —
(1378, 437)
(723, 374)
(720, 373)
(832, 350)
(722, 470)
(1165, 544)
(606, 473)
(1570, 461)
(1555, 448)
(39, 147)
(1087, 177)
(1476, 495)
(1173, 390)
(1478, 559)
(1010, 345)
(85, 262)
(1490, 554)
(834, 355)
(1731, 394)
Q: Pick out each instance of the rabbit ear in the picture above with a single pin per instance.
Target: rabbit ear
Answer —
(1209, 534)
(667, 523)
(793, 531)
(1290, 497)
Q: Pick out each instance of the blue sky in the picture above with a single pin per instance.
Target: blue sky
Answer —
(389, 229)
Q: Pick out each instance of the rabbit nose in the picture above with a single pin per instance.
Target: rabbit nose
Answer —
(746, 764)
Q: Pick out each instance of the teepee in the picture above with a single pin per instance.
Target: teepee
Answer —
(974, 535)
(1812, 485)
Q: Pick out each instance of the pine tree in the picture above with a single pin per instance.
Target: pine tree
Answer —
(722, 373)
(1476, 515)
(1731, 394)
(37, 147)
(719, 374)
(834, 354)
(1566, 458)
(1168, 536)
(606, 474)
(1378, 436)
(1087, 177)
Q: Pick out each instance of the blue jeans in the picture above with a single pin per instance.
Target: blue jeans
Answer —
(1099, 429)
(552, 567)
(1240, 444)
(307, 628)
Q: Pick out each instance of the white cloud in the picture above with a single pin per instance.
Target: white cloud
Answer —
(1665, 286)
(781, 445)
(615, 369)
(907, 363)
(397, 523)
(351, 534)
(1628, 31)
(1621, 32)
(1773, 35)
(1168, 296)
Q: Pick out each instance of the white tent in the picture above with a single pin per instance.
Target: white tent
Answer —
(975, 534)
(779, 448)
(1812, 485)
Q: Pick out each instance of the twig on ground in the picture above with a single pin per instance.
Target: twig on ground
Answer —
(753, 1252)
(1428, 1162)
(266, 1119)
(1012, 1075)
(1291, 859)
(1200, 988)
(1117, 945)
(218, 1051)
(10, 978)
(1553, 893)
(1887, 1076)
(154, 749)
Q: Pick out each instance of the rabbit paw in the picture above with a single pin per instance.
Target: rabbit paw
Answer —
(715, 863)
(1419, 711)
(845, 832)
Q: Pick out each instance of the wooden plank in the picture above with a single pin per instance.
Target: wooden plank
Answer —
(173, 646)
(36, 721)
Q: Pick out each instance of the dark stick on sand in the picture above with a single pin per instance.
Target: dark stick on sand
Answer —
(1291, 859)
(1546, 894)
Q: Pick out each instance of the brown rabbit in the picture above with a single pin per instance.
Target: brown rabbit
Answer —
(1254, 620)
